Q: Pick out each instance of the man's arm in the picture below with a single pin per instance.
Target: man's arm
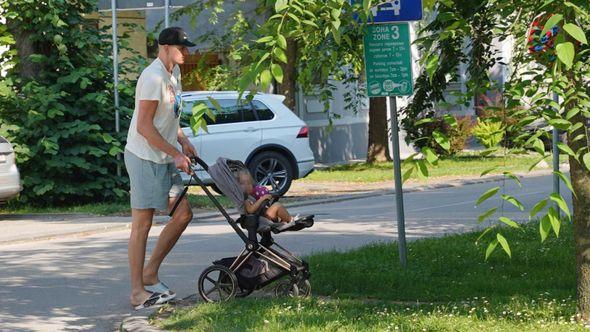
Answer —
(146, 128)
(187, 147)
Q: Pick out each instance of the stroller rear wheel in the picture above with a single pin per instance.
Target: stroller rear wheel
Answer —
(304, 288)
(217, 284)
(286, 288)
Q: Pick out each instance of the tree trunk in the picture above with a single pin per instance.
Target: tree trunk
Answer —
(580, 178)
(289, 85)
(378, 136)
(25, 46)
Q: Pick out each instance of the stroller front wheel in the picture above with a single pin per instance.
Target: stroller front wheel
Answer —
(286, 288)
(304, 288)
(217, 284)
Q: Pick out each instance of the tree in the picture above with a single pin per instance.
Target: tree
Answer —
(56, 102)
(562, 66)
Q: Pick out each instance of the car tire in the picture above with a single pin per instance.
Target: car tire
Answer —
(270, 167)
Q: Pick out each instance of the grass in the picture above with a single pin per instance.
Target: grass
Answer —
(103, 209)
(447, 287)
(466, 165)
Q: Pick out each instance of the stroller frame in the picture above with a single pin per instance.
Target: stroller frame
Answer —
(227, 270)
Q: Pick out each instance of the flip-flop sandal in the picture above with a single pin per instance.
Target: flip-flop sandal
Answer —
(154, 299)
(162, 288)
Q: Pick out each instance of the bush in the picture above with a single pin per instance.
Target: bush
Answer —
(458, 134)
(56, 103)
(489, 133)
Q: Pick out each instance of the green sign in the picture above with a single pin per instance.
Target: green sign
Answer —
(388, 60)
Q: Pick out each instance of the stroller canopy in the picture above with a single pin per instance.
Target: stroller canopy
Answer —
(223, 173)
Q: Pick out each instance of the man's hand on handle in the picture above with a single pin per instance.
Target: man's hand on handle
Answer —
(188, 149)
(183, 163)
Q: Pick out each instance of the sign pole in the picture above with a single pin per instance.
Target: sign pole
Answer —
(116, 74)
(397, 172)
(166, 13)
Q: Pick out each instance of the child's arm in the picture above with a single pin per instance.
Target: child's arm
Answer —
(253, 207)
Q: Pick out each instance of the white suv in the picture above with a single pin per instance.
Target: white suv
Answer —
(9, 176)
(268, 137)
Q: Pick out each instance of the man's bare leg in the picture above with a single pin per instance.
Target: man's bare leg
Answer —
(167, 239)
(140, 228)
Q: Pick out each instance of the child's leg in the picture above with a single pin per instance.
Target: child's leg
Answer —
(278, 212)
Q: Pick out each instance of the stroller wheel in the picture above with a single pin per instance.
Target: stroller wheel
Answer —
(304, 288)
(286, 288)
(217, 284)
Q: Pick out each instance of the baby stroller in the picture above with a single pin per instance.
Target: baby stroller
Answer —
(262, 261)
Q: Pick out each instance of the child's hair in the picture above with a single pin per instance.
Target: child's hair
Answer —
(244, 173)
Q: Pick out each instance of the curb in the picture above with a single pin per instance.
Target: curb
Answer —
(138, 323)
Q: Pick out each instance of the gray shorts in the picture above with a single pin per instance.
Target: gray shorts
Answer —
(152, 184)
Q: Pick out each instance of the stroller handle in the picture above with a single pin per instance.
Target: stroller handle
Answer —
(200, 162)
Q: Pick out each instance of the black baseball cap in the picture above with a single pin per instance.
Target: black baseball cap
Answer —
(174, 36)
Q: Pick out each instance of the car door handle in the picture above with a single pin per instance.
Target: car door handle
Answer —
(250, 129)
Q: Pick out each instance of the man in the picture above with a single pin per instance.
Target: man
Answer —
(152, 159)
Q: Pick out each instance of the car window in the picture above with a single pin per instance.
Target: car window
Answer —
(231, 112)
(264, 113)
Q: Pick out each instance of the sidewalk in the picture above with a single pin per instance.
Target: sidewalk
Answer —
(26, 228)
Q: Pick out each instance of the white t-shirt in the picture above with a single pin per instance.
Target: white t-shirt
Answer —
(156, 83)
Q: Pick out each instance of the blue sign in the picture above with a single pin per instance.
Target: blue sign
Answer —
(389, 11)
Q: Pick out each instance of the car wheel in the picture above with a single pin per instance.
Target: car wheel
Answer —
(272, 170)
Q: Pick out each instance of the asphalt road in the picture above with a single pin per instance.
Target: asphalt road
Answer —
(74, 284)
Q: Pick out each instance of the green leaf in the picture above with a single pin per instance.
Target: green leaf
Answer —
(442, 140)
(576, 32)
(451, 120)
(509, 222)
(280, 55)
(282, 42)
(551, 22)
(277, 72)
(554, 220)
(488, 171)
(566, 53)
(407, 174)
(560, 203)
(566, 181)
(484, 233)
(566, 149)
(491, 247)
(422, 168)
(586, 160)
(538, 207)
(430, 156)
(544, 227)
(487, 195)
(514, 178)
(504, 244)
(423, 121)
(513, 201)
(431, 66)
(539, 146)
(265, 79)
(115, 150)
(486, 215)
(265, 39)
(561, 124)
(280, 5)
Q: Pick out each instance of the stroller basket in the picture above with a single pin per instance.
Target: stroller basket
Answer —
(262, 261)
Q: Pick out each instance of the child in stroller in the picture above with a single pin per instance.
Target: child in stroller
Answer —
(257, 197)
(263, 261)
